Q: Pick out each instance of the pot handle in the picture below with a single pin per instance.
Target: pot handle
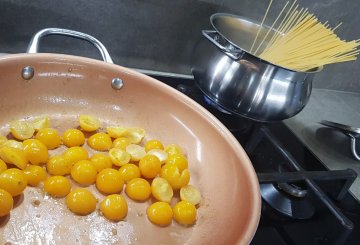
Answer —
(34, 43)
(353, 147)
(213, 37)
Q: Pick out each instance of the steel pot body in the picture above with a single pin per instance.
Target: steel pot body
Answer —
(245, 84)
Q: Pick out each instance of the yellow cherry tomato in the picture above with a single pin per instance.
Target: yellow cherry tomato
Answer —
(57, 186)
(109, 181)
(75, 154)
(73, 137)
(136, 152)
(100, 142)
(84, 172)
(58, 165)
(179, 160)
(119, 157)
(160, 213)
(161, 154)
(3, 166)
(50, 137)
(21, 130)
(185, 213)
(34, 174)
(81, 201)
(138, 189)
(13, 180)
(101, 161)
(121, 143)
(175, 178)
(13, 156)
(13, 144)
(149, 166)
(36, 152)
(41, 122)
(3, 139)
(129, 171)
(161, 189)
(89, 123)
(173, 149)
(6, 203)
(114, 207)
(153, 144)
(135, 135)
(190, 194)
(115, 131)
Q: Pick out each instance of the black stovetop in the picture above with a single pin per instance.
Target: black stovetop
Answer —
(317, 222)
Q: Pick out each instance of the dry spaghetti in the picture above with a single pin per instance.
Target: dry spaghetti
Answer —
(302, 42)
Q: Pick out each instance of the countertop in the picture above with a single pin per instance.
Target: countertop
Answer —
(331, 146)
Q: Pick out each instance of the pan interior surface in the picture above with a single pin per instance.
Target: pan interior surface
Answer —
(65, 86)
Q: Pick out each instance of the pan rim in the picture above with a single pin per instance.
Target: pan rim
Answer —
(254, 219)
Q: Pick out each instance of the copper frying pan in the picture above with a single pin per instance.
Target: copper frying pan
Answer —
(63, 87)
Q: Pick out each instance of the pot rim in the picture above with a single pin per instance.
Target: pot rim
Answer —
(213, 16)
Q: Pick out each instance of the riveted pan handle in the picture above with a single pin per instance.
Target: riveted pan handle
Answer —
(34, 43)
(230, 51)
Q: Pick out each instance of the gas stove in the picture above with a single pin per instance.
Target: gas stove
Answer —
(302, 202)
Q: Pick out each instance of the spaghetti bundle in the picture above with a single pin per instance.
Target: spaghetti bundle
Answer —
(302, 42)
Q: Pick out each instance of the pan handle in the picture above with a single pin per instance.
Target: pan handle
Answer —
(34, 43)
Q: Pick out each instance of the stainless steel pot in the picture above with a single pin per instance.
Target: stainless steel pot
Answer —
(241, 82)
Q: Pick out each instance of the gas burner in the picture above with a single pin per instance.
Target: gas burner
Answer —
(215, 105)
(290, 189)
(289, 205)
(288, 198)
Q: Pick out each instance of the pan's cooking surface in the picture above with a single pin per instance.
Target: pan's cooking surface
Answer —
(64, 87)
(41, 219)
